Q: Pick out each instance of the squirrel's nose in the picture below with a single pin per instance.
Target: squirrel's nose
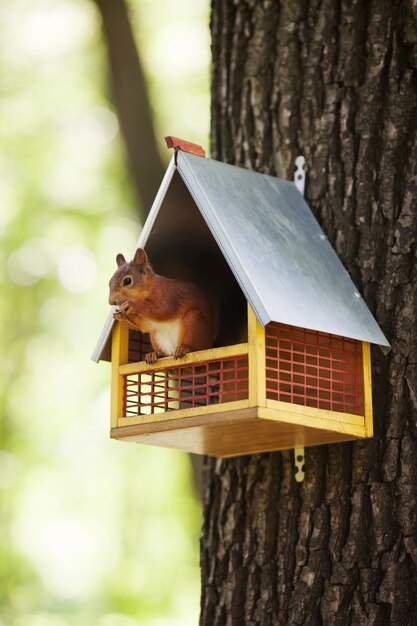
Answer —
(112, 302)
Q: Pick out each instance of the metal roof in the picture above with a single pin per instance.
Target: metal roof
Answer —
(280, 256)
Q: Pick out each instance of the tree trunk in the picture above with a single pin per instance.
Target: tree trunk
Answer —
(335, 81)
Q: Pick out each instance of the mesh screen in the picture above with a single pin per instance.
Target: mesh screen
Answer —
(174, 388)
(314, 369)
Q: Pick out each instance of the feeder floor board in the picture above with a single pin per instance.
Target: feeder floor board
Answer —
(238, 432)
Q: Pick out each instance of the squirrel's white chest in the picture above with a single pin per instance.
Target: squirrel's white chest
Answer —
(166, 335)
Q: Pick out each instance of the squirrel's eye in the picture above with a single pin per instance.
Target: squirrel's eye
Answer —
(127, 281)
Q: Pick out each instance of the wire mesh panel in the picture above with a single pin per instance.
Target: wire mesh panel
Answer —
(174, 388)
(314, 369)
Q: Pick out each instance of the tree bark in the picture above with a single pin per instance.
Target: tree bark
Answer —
(337, 82)
(133, 106)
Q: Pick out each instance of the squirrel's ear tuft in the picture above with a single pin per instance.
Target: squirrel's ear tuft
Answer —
(120, 260)
(140, 257)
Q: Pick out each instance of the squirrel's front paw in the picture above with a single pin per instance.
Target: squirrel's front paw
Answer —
(181, 351)
(151, 358)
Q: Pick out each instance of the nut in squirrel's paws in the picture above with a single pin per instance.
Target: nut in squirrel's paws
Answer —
(121, 311)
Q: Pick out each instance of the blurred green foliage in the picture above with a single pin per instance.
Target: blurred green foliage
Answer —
(93, 532)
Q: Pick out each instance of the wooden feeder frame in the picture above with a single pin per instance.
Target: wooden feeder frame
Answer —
(286, 387)
(237, 427)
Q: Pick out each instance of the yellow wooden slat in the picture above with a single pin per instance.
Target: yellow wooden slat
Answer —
(310, 413)
(301, 437)
(257, 361)
(192, 358)
(295, 414)
(367, 387)
(120, 348)
(183, 413)
(277, 411)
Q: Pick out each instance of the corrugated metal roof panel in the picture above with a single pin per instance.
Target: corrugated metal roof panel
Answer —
(280, 256)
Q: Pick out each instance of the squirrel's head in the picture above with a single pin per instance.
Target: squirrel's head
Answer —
(129, 278)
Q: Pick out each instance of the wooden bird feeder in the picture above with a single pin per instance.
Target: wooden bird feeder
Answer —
(299, 376)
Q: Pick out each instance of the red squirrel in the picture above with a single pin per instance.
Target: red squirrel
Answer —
(176, 314)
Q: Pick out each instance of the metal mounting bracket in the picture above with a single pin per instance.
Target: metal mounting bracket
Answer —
(299, 181)
(299, 462)
(299, 174)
